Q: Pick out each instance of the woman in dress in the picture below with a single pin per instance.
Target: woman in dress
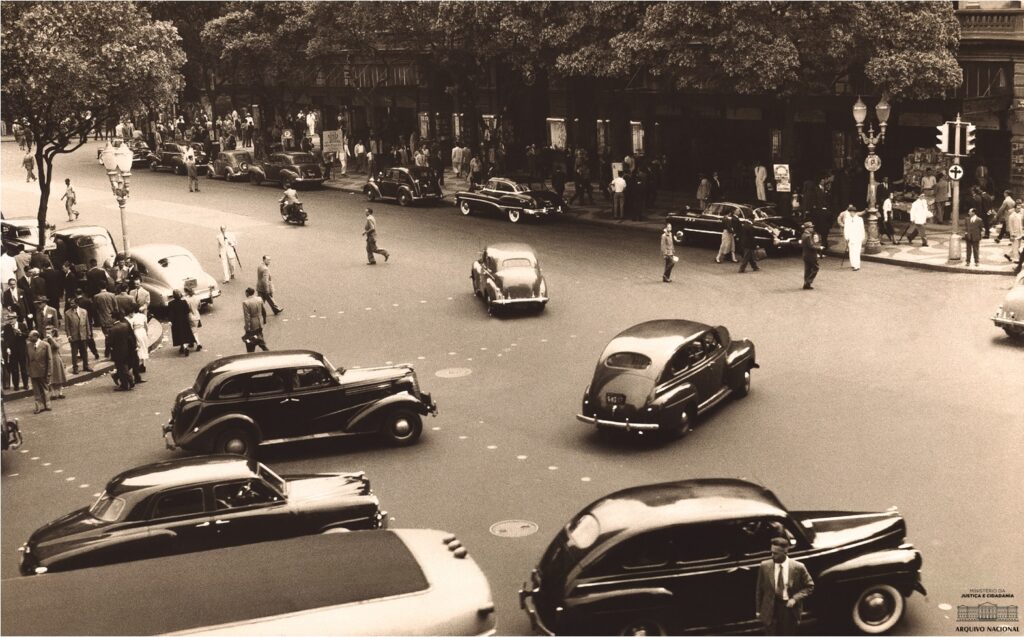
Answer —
(138, 322)
(193, 315)
(58, 377)
(181, 328)
(728, 245)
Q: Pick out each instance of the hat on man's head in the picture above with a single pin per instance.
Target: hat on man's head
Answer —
(851, 208)
(808, 224)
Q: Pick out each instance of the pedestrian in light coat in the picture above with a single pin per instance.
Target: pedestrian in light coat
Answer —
(370, 232)
(137, 319)
(728, 245)
(1004, 211)
(70, 199)
(618, 190)
(193, 172)
(78, 326)
(782, 585)
(29, 163)
(853, 232)
(972, 237)
(194, 318)
(919, 213)
(668, 253)
(1015, 228)
(58, 374)
(39, 370)
(703, 191)
(457, 160)
(265, 285)
(227, 250)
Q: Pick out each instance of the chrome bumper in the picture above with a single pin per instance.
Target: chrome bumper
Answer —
(614, 424)
(169, 437)
(536, 299)
(526, 603)
(1005, 321)
(540, 212)
(428, 402)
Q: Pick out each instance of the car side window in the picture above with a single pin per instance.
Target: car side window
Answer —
(242, 493)
(649, 550)
(711, 342)
(310, 378)
(695, 544)
(233, 388)
(715, 210)
(694, 353)
(752, 538)
(222, 157)
(178, 503)
(264, 383)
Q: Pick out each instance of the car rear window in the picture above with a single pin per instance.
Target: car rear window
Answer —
(628, 360)
(302, 159)
(516, 263)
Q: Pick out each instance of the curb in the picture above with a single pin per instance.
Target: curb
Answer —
(98, 370)
(935, 267)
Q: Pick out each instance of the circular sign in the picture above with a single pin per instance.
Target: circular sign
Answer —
(955, 172)
(513, 528)
(872, 163)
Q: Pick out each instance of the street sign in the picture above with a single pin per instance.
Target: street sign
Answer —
(872, 163)
(955, 172)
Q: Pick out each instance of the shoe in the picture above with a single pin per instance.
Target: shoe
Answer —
(967, 265)
(139, 380)
(924, 245)
(76, 215)
(87, 369)
(186, 352)
(718, 259)
(734, 259)
(278, 311)
(856, 269)
(199, 347)
(807, 286)
(666, 280)
(74, 370)
(387, 255)
(36, 410)
(371, 263)
(225, 280)
(61, 397)
(190, 190)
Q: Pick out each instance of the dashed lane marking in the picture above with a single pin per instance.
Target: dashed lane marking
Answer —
(492, 447)
(47, 464)
(552, 468)
(435, 429)
(34, 458)
(945, 606)
(521, 457)
(463, 437)
(14, 475)
(58, 471)
(83, 485)
(585, 479)
(71, 479)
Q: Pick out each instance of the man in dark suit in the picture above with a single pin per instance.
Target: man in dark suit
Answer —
(104, 305)
(96, 279)
(748, 244)
(782, 585)
(54, 283)
(975, 228)
(15, 301)
(121, 339)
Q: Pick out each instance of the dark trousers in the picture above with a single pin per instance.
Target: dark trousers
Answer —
(1003, 231)
(268, 298)
(253, 340)
(748, 259)
(972, 247)
(372, 249)
(79, 349)
(810, 271)
(784, 620)
(584, 192)
(123, 374)
(18, 366)
(887, 229)
(670, 262)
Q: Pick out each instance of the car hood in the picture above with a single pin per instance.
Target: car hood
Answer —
(310, 490)
(1014, 300)
(43, 540)
(369, 375)
(839, 528)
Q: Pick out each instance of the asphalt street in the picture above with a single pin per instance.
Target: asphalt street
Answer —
(882, 387)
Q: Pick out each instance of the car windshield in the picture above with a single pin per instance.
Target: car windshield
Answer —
(521, 187)
(107, 508)
(628, 360)
(336, 372)
(92, 240)
(519, 262)
(760, 214)
(242, 157)
(584, 531)
(302, 158)
(272, 478)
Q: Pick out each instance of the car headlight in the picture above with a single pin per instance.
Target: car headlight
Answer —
(543, 291)
(497, 292)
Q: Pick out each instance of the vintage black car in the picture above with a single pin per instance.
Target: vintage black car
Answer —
(508, 275)
(231, 164)
(770, 230)
(141, 152)
(405, 185)
(659, 376)
(515, 199)
(80, 244)
(298, 169)
(684, 556)
(172, 155)
(22, 234)
(199, 503)
(240, 402)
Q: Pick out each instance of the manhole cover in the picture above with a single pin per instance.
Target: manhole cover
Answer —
(513, 528)
(453, 372)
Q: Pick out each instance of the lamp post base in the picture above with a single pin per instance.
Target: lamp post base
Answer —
(872, 245)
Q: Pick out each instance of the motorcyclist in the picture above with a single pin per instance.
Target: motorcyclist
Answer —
(289, 200)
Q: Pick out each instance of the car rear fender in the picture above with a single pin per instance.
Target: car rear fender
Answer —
(371, 185)
(208, 432)
(367, 420)
(635, 599)
(682, 394)
(287, 172)
(153, 157)
(258, 170)
(899, 567)
(741, 356)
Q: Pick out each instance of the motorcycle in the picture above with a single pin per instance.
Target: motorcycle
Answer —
(293, 213)
(11, 433)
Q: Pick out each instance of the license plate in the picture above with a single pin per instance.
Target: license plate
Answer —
(615, 399)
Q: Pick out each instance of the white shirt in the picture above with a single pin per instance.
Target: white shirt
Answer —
(619, 184)
(854, 228)
(887, 209)
(919, 211)
(360, 149)
(226, 242)
(784, 566)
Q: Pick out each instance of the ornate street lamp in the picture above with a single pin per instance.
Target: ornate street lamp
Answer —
(117, 159)
(872, 163)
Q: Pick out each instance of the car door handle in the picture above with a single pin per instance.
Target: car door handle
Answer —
(199, 526)
(289, 400)
(219, 522)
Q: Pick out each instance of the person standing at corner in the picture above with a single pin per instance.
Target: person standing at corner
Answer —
(919, 213)
(853, 232)
(121, 337)
(39, 370)
(782, 585)
(703, 191)
(748, 244)
(1015, 228)
(265, 285)
(370, 232)
(809, 248)
(885, 226)
(70, 199)
(254, 316)
(972, 238)
(78, 326)
(668, 252)
(618, 188)
(227, 249)
(193, 173)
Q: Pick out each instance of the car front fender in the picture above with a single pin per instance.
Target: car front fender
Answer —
(290, 174)
(153, 157)
(208, 431)
(367, 419)
(371, 186)
(741, 355)
(632, 599)
(258, 170)
(900, 567)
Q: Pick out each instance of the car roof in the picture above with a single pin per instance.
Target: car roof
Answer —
(81, 231)
(154, 251)
(654, 506)
(237, 151)
(262, 360)
(180, 472)
(22, 222)
(658, 340)
(507, 250)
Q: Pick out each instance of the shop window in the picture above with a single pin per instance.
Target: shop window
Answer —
(604, 136)
(637, 132)
(986, 79)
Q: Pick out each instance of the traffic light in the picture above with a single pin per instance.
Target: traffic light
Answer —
(970, 131)
(943, 138)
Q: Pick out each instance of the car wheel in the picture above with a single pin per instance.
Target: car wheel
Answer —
(371, 194)
(403, 427)
(179, 170)
(153, 165)
(679, 237)
(237, 441)
(464, 208)
(254, 179)
(743, 388)
(877, 609)
(404, 199)
(642, 627)
(514, 215)
(492, 309)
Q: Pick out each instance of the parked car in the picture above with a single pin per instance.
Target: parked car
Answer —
(172, 155)
(1010, 314)
(165, 267)
(80, 244)
(405, 185)
(296, 168)
(198, 503)
(12, 438)
(231, 164)
(659, 376)
(240, 402)
(508, 275)
(770, 230)
(141, 152)
(22, 234)
(390, 582)
(515, 199)
(683, 556)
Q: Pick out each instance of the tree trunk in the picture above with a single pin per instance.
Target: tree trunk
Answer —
(44, 164)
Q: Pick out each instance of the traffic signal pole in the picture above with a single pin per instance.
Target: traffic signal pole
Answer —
(956, 139)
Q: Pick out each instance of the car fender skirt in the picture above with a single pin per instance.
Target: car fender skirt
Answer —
(371, 186)
(366, 421)
(209, 432)
(899, 567)
(636, 599)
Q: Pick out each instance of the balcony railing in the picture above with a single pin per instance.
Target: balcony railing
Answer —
(1000, 24)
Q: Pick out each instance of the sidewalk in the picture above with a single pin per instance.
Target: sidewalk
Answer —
(100, 367)
(934, 257)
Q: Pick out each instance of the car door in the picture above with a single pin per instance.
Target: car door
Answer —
(247, 511)
(268, 402)
(317, 400)
(716, 363)
(179, 522)
(389, 183)
(698, 370)
(273, 167)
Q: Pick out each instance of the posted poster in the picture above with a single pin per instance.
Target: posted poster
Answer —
(782, 183)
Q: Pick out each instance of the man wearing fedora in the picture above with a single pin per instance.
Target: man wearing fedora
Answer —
(810, 250)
